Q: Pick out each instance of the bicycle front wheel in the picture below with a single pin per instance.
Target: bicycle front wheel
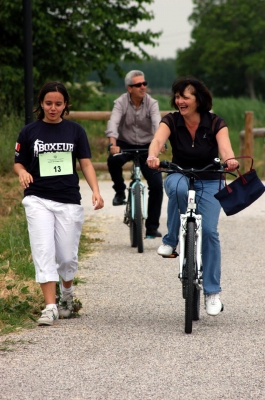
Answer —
(190, 268)
(132, 224)
(139, 217)
(196, 303)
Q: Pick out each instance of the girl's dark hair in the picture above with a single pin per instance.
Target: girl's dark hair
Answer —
(197, 88)
(52, 87)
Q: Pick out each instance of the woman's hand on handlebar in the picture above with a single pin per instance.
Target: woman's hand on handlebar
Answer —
(153, 162)
(232, 165)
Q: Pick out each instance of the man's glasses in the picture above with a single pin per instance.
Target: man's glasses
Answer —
(144, 83)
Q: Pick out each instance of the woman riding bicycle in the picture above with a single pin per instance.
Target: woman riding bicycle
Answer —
(196, 136)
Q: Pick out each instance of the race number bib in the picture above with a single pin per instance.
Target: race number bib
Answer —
(58, 163)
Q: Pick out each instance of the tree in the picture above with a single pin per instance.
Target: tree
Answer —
(159, 74)
(227, 48)
(70, 39)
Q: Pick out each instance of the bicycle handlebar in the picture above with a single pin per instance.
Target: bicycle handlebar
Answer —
(134, 150)
(216, 166)
(131, 151)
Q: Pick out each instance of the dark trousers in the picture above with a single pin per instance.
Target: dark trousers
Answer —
(154, 181)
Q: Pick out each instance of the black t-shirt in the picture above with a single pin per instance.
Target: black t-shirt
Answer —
(200, 152)
(40, 139)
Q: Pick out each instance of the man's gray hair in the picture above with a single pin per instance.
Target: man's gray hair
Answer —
(128, 78)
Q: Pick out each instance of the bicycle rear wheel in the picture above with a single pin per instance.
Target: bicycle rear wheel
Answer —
(190, 268)
(139, 217)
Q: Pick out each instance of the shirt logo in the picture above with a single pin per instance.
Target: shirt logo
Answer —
(36, 147)
(41, 147)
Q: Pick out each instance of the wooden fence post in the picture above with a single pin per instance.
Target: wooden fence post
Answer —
(249, 142)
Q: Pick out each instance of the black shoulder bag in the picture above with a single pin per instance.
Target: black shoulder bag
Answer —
(242, 192)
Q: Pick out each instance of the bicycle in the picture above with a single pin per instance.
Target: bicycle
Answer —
(190, 242)
(135, 212)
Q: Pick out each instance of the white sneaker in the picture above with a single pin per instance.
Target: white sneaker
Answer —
(213, 304)
(48, 315)
(165, 250)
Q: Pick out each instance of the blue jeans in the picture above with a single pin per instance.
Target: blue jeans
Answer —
(176, 187)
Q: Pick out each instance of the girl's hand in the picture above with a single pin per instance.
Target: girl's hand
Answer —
(25, 178)
(97, 201)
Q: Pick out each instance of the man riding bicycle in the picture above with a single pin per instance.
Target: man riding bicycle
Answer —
(133, 122)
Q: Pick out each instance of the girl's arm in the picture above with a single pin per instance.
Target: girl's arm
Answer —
(91, 178)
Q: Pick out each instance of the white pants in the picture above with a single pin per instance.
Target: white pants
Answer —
(54, 232)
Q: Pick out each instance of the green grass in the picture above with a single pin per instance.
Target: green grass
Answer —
(22, 299)
(20, 296)
(233, 112)
(10, 127)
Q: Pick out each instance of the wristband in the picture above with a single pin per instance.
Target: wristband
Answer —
(109, 146)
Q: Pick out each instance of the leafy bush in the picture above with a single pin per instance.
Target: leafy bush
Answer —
(85, 93)
(10, 126)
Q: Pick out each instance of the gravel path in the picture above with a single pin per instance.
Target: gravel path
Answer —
(129, 342)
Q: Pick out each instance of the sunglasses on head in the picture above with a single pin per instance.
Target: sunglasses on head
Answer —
(144, 83)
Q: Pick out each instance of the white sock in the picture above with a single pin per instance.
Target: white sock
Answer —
(65, 290)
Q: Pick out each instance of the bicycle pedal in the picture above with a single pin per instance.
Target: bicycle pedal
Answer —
(173, 255)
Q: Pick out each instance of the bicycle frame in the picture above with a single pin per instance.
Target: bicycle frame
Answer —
(197, 218)
(136, 206)
(190, 243)
(136, 178)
